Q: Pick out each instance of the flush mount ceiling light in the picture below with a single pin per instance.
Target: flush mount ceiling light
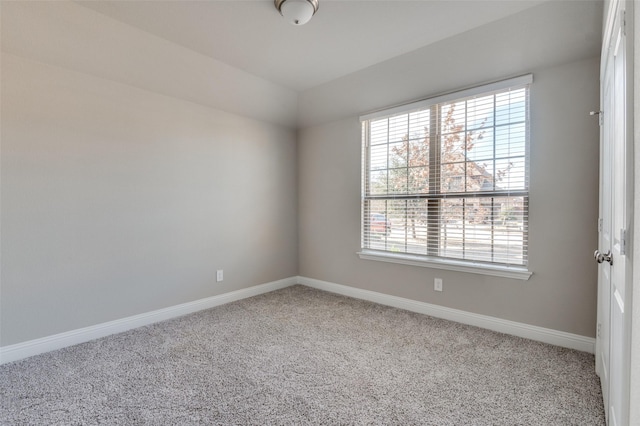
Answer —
(297, 12)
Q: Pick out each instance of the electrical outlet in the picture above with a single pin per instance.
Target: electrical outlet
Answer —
(219, 275)
(437, 284)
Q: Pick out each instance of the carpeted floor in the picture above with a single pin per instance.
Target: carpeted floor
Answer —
(303, 356)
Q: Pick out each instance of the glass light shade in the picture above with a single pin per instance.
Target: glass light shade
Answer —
(297, 12)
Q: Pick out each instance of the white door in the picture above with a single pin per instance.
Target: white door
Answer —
(605, 242)
(612, 334)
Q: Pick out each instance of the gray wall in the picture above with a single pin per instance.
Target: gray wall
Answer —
(118, 201)
(561, 294)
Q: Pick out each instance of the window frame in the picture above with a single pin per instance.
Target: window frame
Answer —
(430, 260)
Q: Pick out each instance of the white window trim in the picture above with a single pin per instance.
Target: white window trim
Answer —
(469, 266)
(458, 94)
(516, 272)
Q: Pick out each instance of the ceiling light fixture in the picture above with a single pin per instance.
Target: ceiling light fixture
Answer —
(297, 12)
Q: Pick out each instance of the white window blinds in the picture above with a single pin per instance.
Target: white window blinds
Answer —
(448, 177)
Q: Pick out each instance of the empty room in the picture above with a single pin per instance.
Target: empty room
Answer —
(319, 212)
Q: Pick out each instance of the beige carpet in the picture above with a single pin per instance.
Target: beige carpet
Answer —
(302, 356)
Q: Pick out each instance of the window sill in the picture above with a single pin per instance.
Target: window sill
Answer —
(516, 272)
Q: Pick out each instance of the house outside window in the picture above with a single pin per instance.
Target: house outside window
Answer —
(446, 180)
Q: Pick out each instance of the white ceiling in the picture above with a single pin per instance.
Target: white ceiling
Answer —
(343, 37)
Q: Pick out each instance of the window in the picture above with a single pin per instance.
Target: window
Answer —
(445, 180)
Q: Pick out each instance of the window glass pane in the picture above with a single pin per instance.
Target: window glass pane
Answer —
(453, 147)
(419, 124)
(452, 177)
(510, 140)
(408, 220)
(376, 226)
(398, 181)
(378, 159)
(479, 177)
(510, 107)
(509, 235)
(415, 229)
(452, 118)
(452, 228)
(477, 244)
(419, 180)
(398, 154)
(378, 182)
(480, 144)
(480, 112)
(398, 128)
(379, 131)
(418, 153)
(510, 173)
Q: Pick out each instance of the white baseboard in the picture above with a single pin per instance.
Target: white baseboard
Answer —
(58, 341)
(540, 334)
